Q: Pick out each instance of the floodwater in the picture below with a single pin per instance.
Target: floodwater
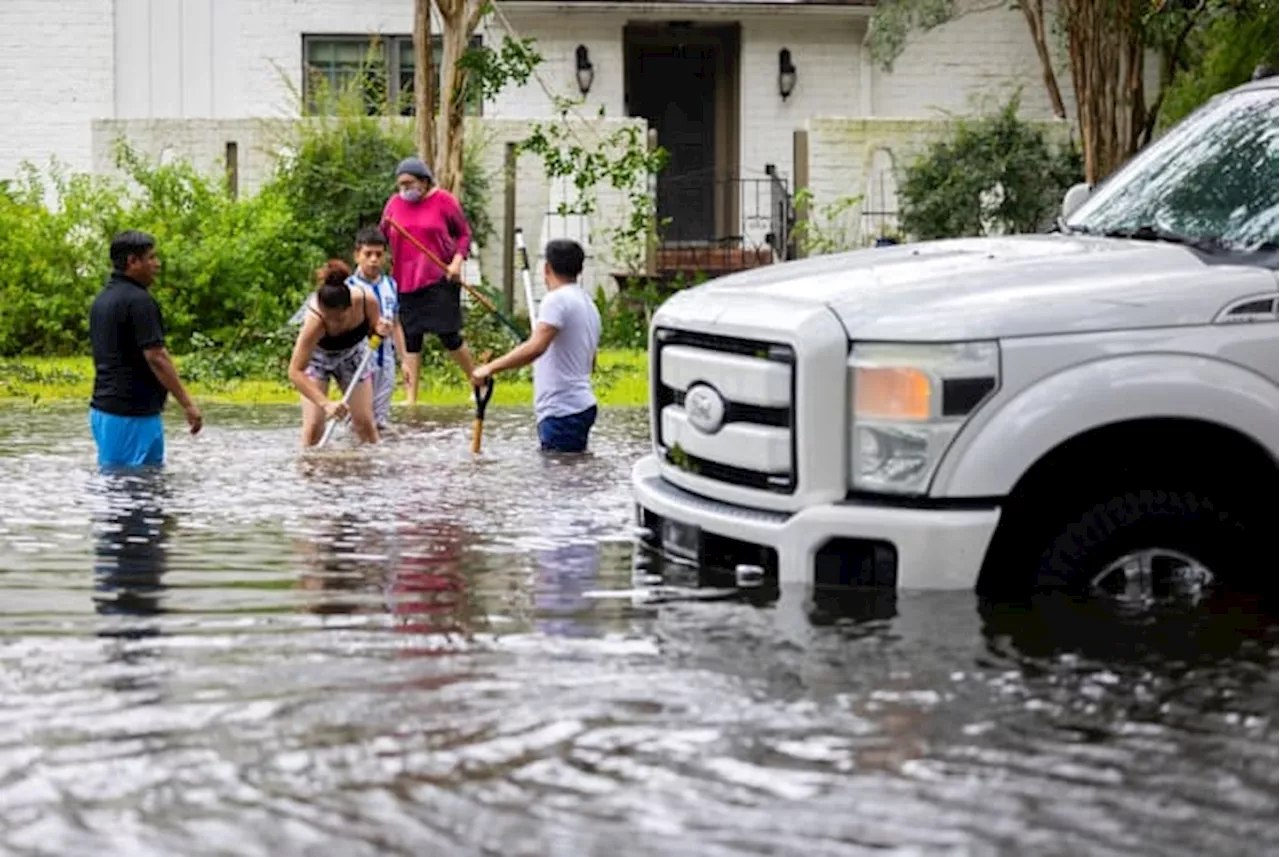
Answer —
(414, 651)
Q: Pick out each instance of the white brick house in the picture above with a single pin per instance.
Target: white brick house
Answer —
(704, 73)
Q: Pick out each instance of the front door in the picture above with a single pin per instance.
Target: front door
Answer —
(672, 82)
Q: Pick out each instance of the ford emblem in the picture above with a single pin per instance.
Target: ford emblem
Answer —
(705, 408)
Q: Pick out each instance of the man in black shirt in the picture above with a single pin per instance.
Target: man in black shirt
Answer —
(133, 373)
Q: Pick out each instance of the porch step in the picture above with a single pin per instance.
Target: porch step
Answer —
(711, 260)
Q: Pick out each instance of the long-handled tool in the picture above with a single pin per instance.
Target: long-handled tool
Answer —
(473, 291)
(523, 252)
(482, 397)
(374, 342)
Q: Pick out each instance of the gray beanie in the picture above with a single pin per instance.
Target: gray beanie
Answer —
(415, 167)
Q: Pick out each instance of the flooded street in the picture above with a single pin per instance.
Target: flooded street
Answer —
(416, 651)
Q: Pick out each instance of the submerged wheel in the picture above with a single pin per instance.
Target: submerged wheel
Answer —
(1151, 543)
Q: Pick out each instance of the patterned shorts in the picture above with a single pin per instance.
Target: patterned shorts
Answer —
(340, 365)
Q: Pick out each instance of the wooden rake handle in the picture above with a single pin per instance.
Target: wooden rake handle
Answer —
(482, 402)
(424, 250)
(479, 296)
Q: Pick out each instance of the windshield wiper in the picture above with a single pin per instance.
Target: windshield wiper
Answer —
(1155, 233)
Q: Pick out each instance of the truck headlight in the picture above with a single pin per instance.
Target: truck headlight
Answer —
(909, 401)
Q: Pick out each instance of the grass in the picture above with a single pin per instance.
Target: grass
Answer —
(621, 380)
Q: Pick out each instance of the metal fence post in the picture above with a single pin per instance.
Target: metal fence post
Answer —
(651, 240)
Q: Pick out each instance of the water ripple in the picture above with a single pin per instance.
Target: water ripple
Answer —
(413, 650)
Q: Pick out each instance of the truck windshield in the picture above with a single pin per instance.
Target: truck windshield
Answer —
(1210, 181)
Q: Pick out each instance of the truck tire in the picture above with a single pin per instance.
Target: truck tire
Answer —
(1153, 542)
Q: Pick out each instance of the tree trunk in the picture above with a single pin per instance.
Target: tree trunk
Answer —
(1106, 51)
(424, 81)
(1033, 10)
(460, 19)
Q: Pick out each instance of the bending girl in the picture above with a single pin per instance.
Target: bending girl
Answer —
(332, 342)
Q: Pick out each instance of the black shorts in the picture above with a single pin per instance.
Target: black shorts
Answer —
(435, 309)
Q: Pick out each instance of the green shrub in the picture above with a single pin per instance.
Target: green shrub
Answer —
(941, 192)
(227, 265)
(232, 270)
(54, 261)
(1222, 55)
(625, 316)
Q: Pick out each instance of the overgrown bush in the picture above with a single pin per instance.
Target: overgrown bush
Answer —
(226, 265)
(1222, 54)
(625, 316)
(54, 261)
(232, 270)
(948, 191)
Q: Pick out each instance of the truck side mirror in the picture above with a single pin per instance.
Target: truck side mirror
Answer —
(1074, 198)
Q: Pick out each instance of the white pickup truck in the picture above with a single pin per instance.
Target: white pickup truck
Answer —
(1094, 409)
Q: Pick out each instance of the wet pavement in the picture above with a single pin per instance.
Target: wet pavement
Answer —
(414, 650)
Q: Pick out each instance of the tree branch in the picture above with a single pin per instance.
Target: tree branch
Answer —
(474, 17)
(1033, 10)
(1170, 67)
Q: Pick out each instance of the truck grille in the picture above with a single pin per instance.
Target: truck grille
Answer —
(752, 443)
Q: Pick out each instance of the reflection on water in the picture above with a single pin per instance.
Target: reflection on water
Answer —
(565, 574)
(129, 552)
(413, 650)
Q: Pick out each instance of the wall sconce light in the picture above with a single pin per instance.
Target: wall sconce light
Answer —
(786, 73)
(586, 72)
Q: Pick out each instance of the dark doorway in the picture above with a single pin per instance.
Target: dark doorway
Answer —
(682, 80)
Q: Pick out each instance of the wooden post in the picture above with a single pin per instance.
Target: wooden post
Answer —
(509, 231)
(233, 169)
(800, 169)
(651, 245)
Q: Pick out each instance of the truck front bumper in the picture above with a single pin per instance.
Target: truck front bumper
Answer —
(931, 548)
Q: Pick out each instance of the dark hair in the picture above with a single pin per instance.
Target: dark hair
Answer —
(332, 289)
(131, 242)
(565, 257)
(370, 236)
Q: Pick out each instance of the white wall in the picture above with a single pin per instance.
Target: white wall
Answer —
(270, 41)
(176, 59)
(230, 58)
(556, 39)
(55, 62)
(825, 52)
(978, 55)
(975, 59)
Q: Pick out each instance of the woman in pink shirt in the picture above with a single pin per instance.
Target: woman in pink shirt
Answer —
(427, 282)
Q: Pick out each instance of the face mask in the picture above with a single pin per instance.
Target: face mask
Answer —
(411, 194)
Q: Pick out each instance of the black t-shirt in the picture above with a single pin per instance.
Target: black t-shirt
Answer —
(123, 321)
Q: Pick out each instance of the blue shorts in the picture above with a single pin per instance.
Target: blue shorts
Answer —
(568, 433)
(127, 441)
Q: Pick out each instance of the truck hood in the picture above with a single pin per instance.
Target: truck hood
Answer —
(975, 288)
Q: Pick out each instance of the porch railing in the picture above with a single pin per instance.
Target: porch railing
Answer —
(716, 225)
(719, 224)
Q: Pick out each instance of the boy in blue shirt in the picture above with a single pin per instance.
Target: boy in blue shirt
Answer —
(370, 258)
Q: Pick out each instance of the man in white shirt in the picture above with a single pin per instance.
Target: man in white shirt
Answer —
(562, 348)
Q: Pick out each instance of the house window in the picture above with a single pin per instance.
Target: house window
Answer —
(381, 66)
